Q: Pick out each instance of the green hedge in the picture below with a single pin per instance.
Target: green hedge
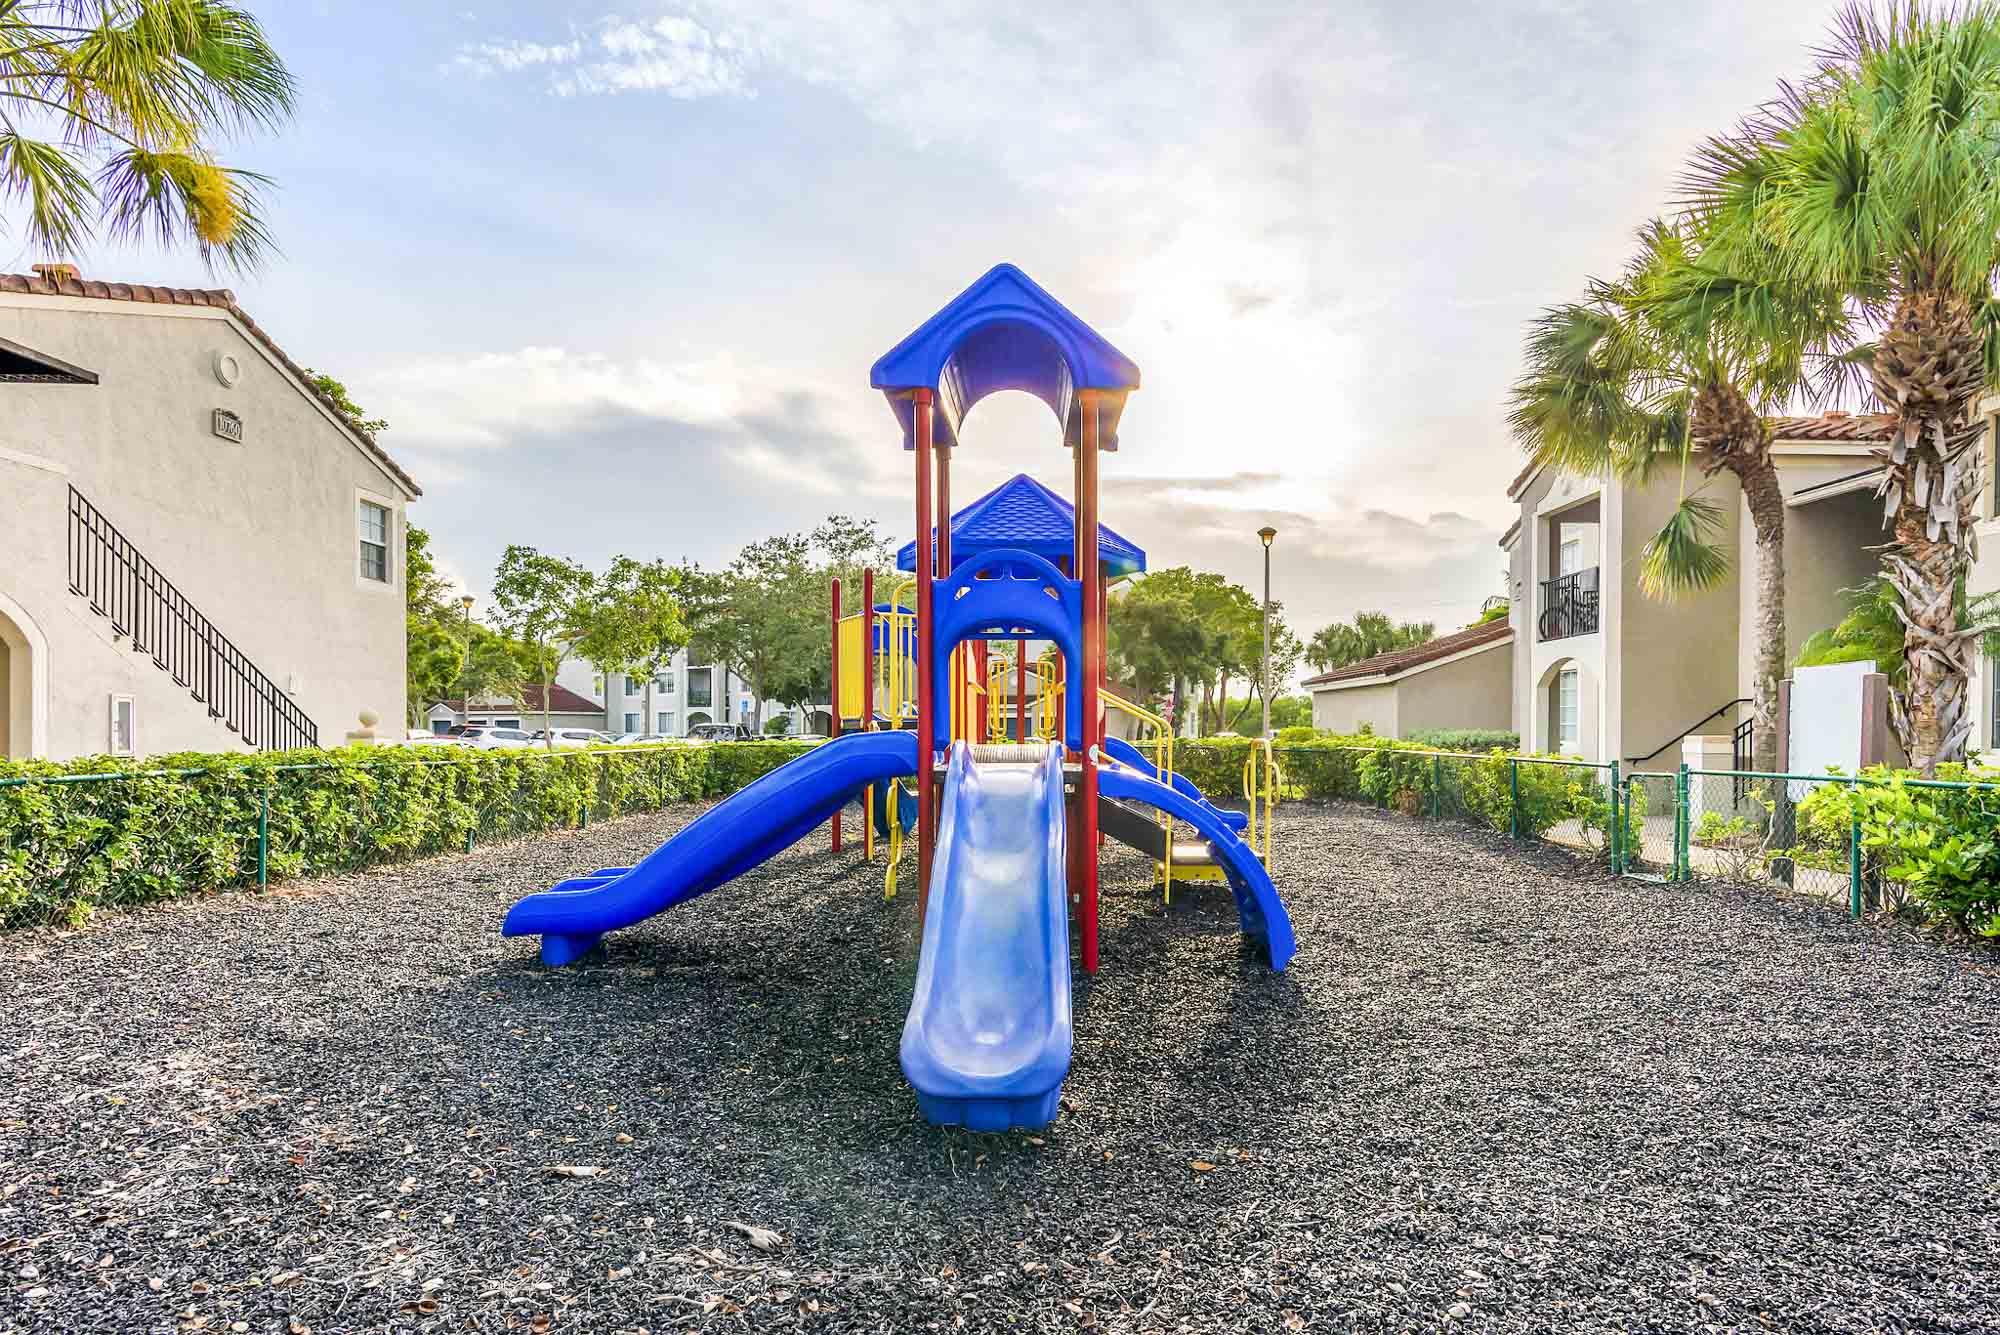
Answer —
(183, 825)
(1419, 781)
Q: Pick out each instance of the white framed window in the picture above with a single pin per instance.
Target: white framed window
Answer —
(1569, 556)
(631, 723)
(668, 685)
(124, 738)
(1568, 714)
(372, 527)
(666, 728)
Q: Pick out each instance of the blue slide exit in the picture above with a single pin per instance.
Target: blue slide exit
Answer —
(987, 1041)
(1258, 907)
(750, 826)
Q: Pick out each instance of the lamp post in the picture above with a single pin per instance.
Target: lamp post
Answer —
(1267, 533)
(465, 661)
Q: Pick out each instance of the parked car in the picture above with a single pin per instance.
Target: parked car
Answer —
(638, 739)
(487, 737)
(720, 732)
(432, 740)
(570, 738)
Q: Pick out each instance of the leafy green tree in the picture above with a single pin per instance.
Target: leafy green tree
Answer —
(1370, 633)
(434, 662)
(138, 92)
(764, 618)
(545, 603)
(496, 668)
(1877, 177)
(1674, 365)
(635, 622)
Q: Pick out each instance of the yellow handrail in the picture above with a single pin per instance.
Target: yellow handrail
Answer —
(1260, 781)
(1163, 761)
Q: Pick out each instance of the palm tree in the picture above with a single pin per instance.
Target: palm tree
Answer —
(1676, 363)
(1881, 175)
(136, 91)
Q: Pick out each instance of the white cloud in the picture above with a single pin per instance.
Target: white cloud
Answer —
(674, 55)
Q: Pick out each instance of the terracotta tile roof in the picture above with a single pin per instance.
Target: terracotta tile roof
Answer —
(1852, 428)
(1398, 661)
(219, 298)
(1528, 470)
(562, 700)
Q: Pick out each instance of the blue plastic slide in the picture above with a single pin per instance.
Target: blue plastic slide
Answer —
(987, 1041)
(1130, 756)
(1258, 907)
(754, 824)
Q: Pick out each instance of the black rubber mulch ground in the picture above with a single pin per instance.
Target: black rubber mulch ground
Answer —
(1495, 1089)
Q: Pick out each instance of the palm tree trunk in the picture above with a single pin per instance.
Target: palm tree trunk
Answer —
(1929, 364)
(1767, 516)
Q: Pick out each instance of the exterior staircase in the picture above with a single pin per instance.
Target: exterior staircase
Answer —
(121, 585)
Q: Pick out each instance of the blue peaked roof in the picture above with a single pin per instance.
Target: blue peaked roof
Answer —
(1021, 512)
(1006, 332)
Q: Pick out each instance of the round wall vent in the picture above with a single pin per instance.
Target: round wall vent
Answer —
(228, 369)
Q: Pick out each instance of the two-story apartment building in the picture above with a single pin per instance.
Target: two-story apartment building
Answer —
(685, 695)
(1606, 671)
(199, 551)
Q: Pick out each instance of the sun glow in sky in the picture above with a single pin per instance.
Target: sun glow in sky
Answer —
(616, 275)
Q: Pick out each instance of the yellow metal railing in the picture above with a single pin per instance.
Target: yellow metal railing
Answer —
(1163, 761)
(1261, 778)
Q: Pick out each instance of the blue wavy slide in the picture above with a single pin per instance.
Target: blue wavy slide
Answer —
(1258, 907)
(987, 1041)
(756, 823)
(1130, 756)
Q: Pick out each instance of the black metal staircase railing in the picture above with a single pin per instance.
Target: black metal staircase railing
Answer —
(1569, 606)
(140, 602)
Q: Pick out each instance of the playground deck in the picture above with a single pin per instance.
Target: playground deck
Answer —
(1495, 1088)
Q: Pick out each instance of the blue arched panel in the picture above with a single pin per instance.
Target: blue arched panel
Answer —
(1006, 332)
(1005, 595)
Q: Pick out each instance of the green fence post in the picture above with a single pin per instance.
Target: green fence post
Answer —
(1614, 818)
(1683, 826)
(1437, 787)
(264, 834)
(1853, 853)
(1625, 815)
(1513, 797)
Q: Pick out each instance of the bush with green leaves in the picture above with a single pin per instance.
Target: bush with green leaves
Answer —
(1467, 739)
(182, 825)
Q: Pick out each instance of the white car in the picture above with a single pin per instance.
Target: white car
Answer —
(487, 737)
(570, 738)
(638, 739)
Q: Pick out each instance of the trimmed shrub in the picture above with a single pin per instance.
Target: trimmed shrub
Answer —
(183, 825)
(1467, 739)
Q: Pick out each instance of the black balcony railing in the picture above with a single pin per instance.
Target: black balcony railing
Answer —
(1569, 606)
(142, 603)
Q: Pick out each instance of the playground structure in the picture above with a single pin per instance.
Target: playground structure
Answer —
(1007, 831)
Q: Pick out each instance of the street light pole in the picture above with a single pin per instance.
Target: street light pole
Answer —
(1267, 533)
(464, 662)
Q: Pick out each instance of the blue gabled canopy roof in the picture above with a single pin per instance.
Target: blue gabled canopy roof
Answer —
(1021, 512)
(1005, 332)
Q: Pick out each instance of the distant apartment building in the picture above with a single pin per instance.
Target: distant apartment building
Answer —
(685, 695)
(200, 552)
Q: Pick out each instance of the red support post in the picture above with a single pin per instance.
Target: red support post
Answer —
(921, 410)
(1092, 672)
(833, 696)
(868, 650)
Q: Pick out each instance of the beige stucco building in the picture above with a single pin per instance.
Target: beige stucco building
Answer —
(1461, 680)
(199, 552)
(1604, 670)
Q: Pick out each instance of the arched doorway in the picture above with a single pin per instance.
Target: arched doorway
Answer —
(23, 684)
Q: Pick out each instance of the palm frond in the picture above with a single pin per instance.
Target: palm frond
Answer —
(59, 197)
(179, 198)
(1685, 556)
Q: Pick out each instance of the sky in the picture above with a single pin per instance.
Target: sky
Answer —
(615, 275)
